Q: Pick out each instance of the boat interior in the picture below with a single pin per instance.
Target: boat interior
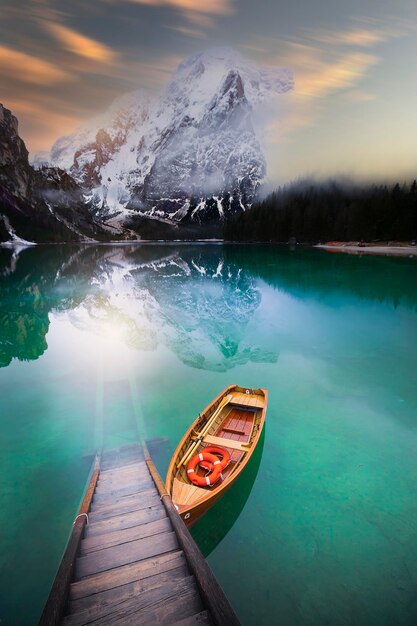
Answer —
(232, 424)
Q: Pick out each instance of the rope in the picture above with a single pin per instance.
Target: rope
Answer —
(81, 515)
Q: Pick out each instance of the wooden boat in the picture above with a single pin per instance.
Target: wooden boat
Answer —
(233, 422)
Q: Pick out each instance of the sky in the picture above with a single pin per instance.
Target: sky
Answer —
(352, 113)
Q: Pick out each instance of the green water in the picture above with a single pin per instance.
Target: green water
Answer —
(97, 343)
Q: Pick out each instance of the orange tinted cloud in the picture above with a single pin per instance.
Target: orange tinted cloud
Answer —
(330, 76)
(80, 44)
(313, 94)
(216, 7)
(361, 37)
(366, 33)
(325, 62)
(29, 69)
(191, 32)
(199, 12)
(319, 74)
(37, 129)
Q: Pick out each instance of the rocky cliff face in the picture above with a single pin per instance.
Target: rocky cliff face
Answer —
(15, 171)
(43, 205)
(190, 155)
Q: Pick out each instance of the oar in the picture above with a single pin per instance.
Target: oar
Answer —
(215, 414)
(201, 434)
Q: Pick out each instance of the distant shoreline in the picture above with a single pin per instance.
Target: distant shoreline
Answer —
(396, 249)
(385, 248)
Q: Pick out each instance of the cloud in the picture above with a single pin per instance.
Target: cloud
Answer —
(330, 68)
(361, 37)
(154, 73)
(189, 32)
(366, 32)
(79, 44)
(215, 7)
(27, 68)
(278, 130)
(41, 128)
(198, 12)
(318, 77)
(325, 63)
(359, 95)
(333, 75)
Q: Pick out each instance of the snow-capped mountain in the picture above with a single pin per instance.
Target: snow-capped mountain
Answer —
(188, 155)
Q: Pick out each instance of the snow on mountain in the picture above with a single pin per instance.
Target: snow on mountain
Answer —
(190, 154)
(75, 152)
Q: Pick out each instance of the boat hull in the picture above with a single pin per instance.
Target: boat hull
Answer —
(234, 420)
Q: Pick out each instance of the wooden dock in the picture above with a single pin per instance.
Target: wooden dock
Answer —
(130, 559)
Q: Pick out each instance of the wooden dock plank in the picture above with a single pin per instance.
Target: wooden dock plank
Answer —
(122, 481)
(126, 520)
(121, 461)
(99, 542)
(117, 491)
(199, 619)
(119, 477)
(139, 468)
(128, 590)
(125, 470)
(131, 503)
(180, 606)
(112, 557)
(114, 491)
(101, 501)
(123, 473)
(126, 574)
(126, 611)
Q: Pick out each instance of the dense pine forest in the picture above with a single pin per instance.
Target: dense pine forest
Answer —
(315, 212)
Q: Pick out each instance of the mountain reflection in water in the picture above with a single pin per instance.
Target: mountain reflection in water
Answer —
(196, 300)
(197, 305)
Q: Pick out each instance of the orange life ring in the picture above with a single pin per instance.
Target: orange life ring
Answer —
(204, 481)
(218, 452)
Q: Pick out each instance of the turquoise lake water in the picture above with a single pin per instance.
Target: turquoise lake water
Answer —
(98, 343)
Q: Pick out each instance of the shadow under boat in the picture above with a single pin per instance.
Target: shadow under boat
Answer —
(214, 525)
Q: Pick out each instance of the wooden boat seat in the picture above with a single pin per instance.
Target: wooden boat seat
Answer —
(247, 400)
(235, 431)
(227, 443)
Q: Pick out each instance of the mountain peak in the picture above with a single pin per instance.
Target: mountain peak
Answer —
(190, 154)
(221, 56)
